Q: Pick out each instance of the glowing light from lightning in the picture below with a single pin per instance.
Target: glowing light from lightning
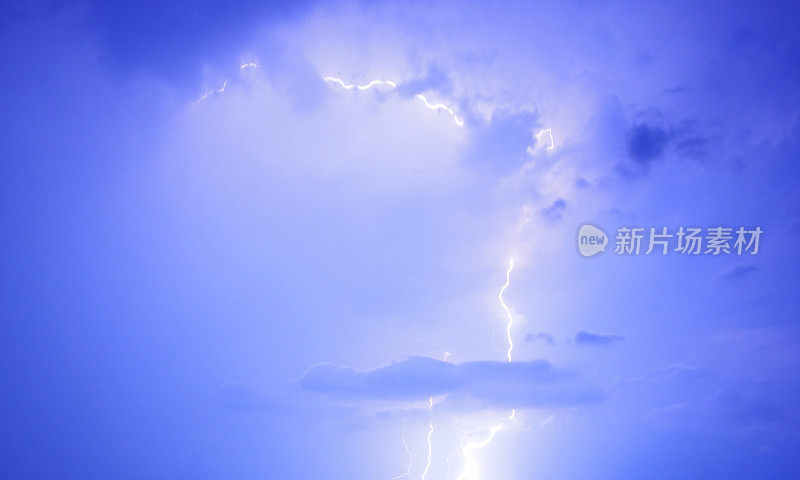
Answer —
(455, 452)
(374, 83)
(541, 144)
(440, 106)
(446, 356)
(471, 469)
(245, 66)
(510, 322)
(549, 133)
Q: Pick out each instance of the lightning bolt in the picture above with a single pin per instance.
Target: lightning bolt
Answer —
(428, 441)
(392, 85)
(410, 456)
(369, 85)
(430, 445)
(471, 469)
(430, 450)
(441, 106)
(219, 90)
(510, 322)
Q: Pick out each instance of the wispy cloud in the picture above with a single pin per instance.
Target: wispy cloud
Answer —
(541, 336)
(738, 272)
(586, 338)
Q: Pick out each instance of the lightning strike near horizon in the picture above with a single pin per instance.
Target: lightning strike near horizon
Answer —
(430, 451)
(510, 322)
(430, 445)
(472, 469)
(410, 457)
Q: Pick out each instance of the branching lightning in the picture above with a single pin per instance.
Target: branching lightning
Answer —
(430, 445)
(510, 322)
(410, 457)
(471, 469)
(468, 448)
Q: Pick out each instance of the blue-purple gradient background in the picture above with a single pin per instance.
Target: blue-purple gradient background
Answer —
(171, 269)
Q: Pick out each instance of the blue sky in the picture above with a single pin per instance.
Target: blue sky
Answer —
(221, 258)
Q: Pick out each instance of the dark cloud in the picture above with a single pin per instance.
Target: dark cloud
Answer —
(173, 39)
(545, 337)
(434, 79)
(680, 374)
(675, 90)
(581, 183)
(586, 338)
(489, 383)
(644, 59)
(755, 408)
(555, 210)
(647, 143)
(695, 146)
(738, 272)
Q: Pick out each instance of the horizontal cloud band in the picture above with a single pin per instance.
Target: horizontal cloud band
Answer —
(501, 384)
